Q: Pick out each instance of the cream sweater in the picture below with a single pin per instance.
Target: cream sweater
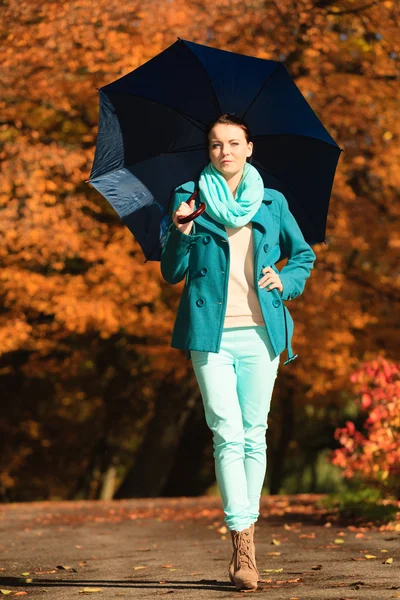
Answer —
(243, 307)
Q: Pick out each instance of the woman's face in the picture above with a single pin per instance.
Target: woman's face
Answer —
(228, 148)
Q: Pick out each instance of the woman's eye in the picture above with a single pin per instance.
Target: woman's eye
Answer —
(233, 144)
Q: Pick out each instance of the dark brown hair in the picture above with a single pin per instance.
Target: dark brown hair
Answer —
(231, 119)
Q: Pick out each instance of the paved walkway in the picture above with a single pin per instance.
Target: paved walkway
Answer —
(151, 547)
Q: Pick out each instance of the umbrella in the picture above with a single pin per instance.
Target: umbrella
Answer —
(151, 136)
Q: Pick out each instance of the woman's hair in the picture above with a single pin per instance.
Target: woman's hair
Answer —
(230, 119)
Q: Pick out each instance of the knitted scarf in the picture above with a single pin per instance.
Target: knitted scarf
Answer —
(221, 205)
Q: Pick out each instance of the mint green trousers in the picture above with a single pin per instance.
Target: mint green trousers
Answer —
(236, 386)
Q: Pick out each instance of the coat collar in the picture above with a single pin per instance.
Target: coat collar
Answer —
(206, 221)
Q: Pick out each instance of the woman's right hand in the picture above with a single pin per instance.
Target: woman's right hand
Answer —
(185, 208)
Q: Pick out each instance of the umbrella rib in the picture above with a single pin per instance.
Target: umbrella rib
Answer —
(259, 91)
(188, 149)
(215, 97)
(265, 135)
(184, 115)
(294, 196)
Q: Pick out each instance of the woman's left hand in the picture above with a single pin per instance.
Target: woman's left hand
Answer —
(272, 278)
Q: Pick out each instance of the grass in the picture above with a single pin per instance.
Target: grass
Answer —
(362, 505)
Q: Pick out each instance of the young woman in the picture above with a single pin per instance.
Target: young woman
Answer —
(231, 318)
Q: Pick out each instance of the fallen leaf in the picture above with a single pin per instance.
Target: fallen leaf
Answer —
(222, 529)
(369, 556)
(339, 541)
(388, 561)
(66, 568)
(5, 592)
(89, 590)
(45, 572)
(20, 594)
(139, 567)
(273, 570)
(25, 573)
(275, 542)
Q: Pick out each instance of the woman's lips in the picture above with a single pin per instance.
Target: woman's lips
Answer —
(226, 161)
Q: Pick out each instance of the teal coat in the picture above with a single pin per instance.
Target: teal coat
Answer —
(203, 257)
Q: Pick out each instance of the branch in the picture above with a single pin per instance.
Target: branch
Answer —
(325, 3)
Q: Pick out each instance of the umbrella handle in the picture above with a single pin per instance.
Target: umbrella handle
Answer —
(194, 214)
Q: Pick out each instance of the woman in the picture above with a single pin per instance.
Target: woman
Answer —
(231, 318)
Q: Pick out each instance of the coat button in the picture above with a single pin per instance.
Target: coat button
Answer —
(204, 271)
(266, 246)
(276, 303)
(200, 302)
(206, 239)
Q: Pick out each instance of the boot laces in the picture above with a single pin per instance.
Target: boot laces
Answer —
(242, 543)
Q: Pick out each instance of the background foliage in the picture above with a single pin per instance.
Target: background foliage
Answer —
(93, 396)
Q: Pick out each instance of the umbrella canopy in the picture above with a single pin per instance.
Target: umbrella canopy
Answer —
(152, 136)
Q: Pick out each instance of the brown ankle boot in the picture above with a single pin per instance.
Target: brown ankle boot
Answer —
(231, 567)
(243, 571)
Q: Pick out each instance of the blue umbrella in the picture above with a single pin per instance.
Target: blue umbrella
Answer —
(151, 136)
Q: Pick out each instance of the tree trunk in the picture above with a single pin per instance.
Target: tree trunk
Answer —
(193, 471)
(286, 434)
(156, 456)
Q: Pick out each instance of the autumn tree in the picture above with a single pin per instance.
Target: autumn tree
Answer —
(85, 323)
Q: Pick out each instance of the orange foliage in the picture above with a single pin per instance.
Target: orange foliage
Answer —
(72, 275)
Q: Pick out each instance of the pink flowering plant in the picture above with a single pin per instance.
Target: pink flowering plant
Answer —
(372, 456)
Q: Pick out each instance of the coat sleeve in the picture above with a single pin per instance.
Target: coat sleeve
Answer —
(301, 256)
(177, 245)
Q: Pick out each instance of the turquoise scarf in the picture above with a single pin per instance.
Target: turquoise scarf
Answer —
(221, 205)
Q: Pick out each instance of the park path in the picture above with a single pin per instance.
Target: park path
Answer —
(144, 548)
